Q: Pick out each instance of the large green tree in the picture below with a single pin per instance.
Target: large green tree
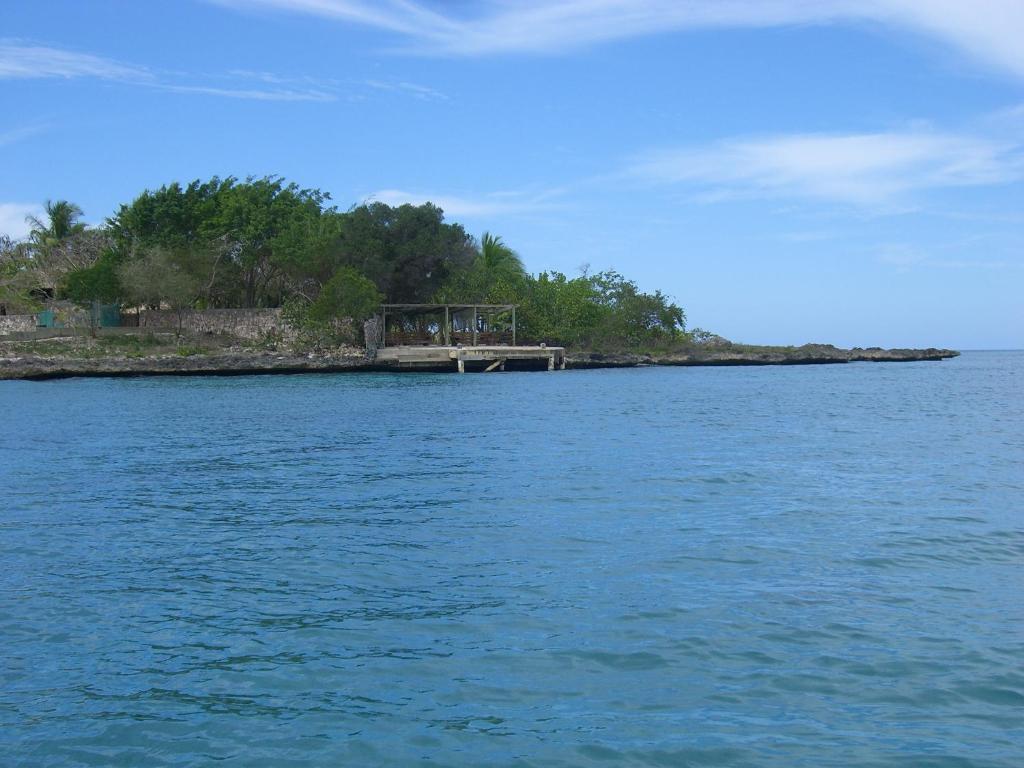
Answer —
(408, 251)
(248, 241)
(496, 275)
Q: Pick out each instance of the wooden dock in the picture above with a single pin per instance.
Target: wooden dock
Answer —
(472, 358)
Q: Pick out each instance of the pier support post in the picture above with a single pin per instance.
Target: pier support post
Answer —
(551, 362)
(462, 365)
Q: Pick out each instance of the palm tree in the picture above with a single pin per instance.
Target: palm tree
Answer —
(53, 246)
(63, 223)
(497, 259)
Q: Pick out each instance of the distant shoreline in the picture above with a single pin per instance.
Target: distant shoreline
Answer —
(37, 367)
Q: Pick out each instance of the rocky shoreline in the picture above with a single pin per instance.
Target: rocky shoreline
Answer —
(809, 354)
(34, 366)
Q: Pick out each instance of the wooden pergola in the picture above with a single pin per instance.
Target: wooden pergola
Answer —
(447, 317)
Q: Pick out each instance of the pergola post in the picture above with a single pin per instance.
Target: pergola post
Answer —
(452, 316)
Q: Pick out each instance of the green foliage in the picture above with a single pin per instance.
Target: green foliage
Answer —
(159, 276)
(96, 283)
(409, 252)
(130, 340)
(496, 273)
(132, 345)
(260, 241)
(348, 295)
(62, 221)
(263, 242)
(241, 240)
(636, 318)
(604, 311)
(16, 279)
(337, 315)
(498, 261)
(58, 245)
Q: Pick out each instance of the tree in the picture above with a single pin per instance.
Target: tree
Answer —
(636, 318)
(496, 276)
(157, 277)
(97, 283)
(16, 278)
(250, 242)
(53, 266)
(62, 221)
(59, 244)
(497, 259)
(93, 285)
(347, 299)
(409, 252)
(346, 296)
(260, 219)
(563, 310)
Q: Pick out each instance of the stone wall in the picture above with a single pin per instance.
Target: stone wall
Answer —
(251, 324)
(17, 323)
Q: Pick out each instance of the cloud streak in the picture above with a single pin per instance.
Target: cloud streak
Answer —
(28, 61)
(988, 31)
(15, 135)
(421, 92)
(867, 169)
(904, 257)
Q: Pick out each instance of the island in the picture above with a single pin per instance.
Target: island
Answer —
(262, 276)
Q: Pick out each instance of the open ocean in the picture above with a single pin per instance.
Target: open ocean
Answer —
(781, 566)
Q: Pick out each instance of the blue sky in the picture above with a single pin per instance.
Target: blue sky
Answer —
(788, 170)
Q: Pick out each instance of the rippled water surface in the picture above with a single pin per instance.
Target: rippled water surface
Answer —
(796, 566)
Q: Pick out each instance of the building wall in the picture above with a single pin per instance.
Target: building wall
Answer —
(251, 324)
(17, 323)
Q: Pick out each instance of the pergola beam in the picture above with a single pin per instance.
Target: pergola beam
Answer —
(449, 313)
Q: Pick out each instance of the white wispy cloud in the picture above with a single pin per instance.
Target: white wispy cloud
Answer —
(989, 31)
(905, 257)
(14, 135)
(21, 60)
(868, 169)
(255, 94)
(421, 92)
(12, 218)
(499, 203)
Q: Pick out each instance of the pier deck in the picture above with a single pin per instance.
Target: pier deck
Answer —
(472, 358)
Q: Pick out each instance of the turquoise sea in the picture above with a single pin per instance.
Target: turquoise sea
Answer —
(784, 566)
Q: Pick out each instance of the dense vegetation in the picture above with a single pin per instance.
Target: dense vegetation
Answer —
(265, 243)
